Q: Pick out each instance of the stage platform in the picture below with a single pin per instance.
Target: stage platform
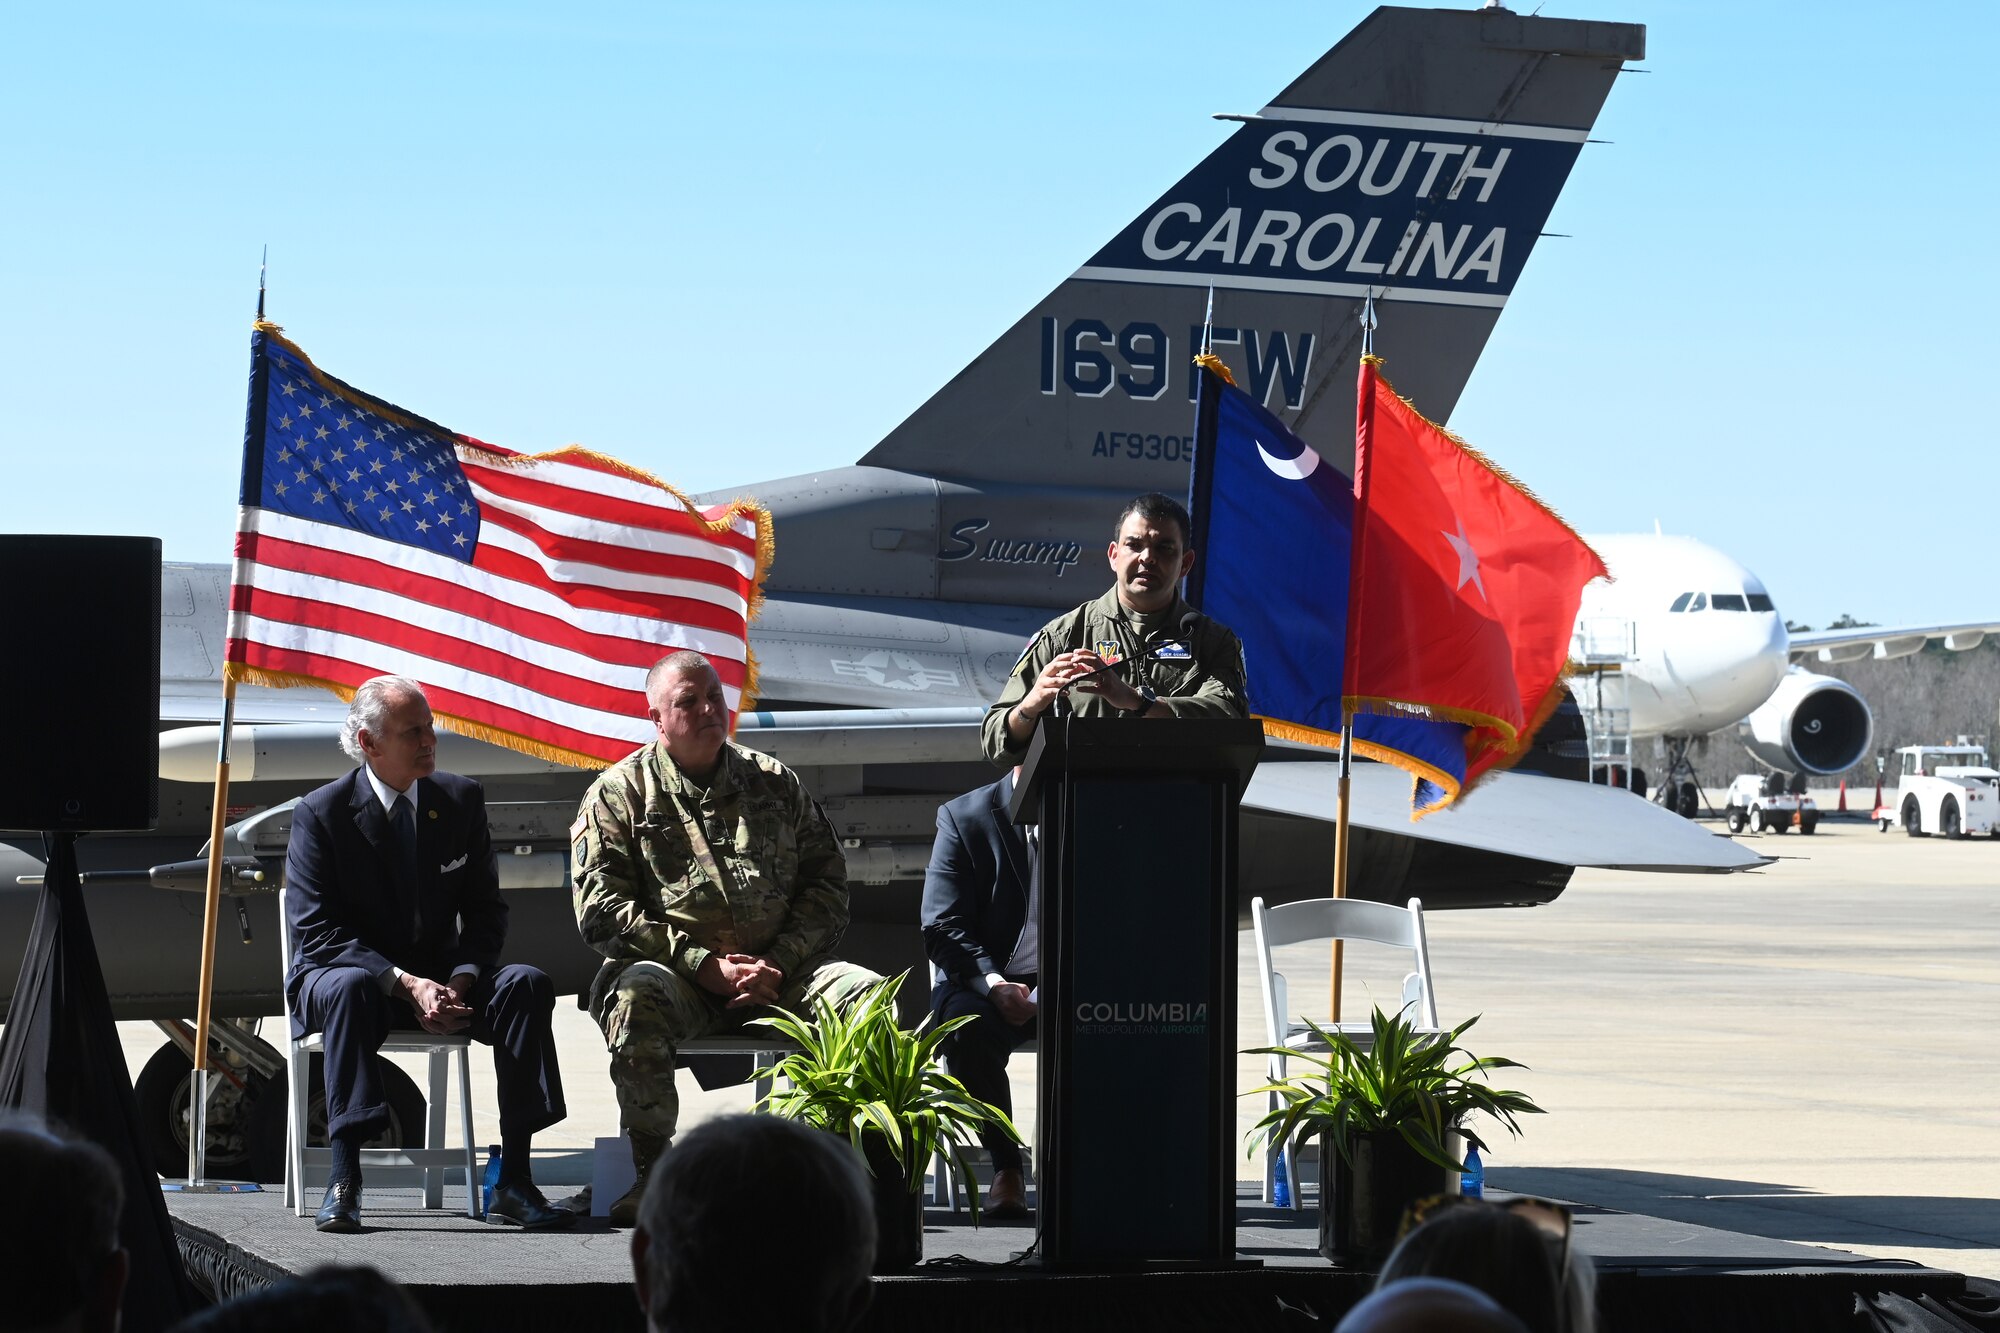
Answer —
(1653, 1273)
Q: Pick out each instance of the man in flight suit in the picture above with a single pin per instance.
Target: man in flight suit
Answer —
(980, 904)
(1196, 674)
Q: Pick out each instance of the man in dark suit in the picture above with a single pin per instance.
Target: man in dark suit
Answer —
(393, 896)
(980, 933)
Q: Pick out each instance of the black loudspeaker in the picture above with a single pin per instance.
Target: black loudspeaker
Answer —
(80, 672)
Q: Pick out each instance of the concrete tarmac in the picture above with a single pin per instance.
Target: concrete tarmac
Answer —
(1797, 1052)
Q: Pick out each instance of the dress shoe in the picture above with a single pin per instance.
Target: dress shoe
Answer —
(520, 1204)
(1006, 1198)
(625, 1212)
(341, 1209)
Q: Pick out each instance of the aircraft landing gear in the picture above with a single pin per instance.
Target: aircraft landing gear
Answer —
(246, 1106)
(246, 1119)
(1678, 790)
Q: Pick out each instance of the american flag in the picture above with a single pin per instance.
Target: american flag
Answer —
(527, 593)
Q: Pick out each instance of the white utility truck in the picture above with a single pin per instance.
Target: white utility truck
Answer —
(1948, 789)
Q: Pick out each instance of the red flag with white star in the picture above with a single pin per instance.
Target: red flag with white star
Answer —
(1465, 585)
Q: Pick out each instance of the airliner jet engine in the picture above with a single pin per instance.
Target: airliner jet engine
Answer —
(1810, 724)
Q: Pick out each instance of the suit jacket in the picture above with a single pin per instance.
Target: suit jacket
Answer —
(342, 894)
(976, 886)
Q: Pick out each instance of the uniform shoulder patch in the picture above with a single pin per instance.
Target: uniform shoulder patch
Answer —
(762, 762)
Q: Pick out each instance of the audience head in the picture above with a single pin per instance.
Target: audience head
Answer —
(1518, 1252)
(730, 1194)
(1428, 1305)
(330, 1299)
(69, 1268)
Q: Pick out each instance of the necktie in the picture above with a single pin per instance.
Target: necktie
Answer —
(403, 822)
(1026, 957)
(403, 818)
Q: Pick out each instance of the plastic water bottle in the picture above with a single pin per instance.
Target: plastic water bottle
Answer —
(1472, 1177)
(492, 1178)
(1281, 1188)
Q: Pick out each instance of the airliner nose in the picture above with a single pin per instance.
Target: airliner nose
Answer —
(1731, 665)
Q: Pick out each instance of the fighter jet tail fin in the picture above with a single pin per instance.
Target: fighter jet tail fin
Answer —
(1416, 161)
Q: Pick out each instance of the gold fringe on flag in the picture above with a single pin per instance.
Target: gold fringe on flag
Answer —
(479, 731)
(1482, 460)
(741, 506)
(1280, 730)
(341, 389)
(1209, 361)
(1513, 751)
(1419, 771)
(1429, 712)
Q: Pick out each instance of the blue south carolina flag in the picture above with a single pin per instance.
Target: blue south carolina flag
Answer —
(1274, 524)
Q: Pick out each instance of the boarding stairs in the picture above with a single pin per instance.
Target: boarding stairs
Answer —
(1602, 647)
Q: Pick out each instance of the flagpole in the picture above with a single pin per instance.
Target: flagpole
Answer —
(1341, 832)
(211, 910)
(212, 902)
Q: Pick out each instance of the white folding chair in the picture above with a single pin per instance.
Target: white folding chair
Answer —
(306, 1168)
(764, 1046)
(1329, 919)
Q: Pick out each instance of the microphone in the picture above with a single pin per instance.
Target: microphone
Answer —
(1148, 651)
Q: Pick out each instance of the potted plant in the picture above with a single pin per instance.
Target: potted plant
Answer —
(1386, 1116)
(860, 1073)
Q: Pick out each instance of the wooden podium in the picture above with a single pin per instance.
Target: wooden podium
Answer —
(1136, 1160)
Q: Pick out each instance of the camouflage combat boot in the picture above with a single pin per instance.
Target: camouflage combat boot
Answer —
(646, 1150)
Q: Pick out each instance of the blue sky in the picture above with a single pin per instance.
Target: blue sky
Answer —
(737, 243)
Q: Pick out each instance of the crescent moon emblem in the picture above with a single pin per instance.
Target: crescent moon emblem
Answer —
(1291, 469)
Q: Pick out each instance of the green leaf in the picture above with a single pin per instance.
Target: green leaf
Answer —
(859, 1073)
(1403, 1080)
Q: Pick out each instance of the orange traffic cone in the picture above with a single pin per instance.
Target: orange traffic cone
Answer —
(1843, 796)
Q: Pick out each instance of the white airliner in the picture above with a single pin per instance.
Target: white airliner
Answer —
(1698, 646)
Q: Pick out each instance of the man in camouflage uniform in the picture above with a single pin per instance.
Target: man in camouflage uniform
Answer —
(1202, 677)
(713, 886)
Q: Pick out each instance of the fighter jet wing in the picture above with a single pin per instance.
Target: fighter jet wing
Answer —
(1526, 815)
(1884, 642)
(1515, 814)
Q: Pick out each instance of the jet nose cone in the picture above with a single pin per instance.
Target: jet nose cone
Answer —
(1732, 666)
